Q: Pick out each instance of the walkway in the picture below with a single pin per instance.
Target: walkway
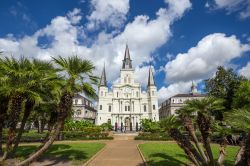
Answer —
(122, 151)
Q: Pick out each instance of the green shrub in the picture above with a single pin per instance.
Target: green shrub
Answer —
(80, 135)
(150, 126)
(153, 136)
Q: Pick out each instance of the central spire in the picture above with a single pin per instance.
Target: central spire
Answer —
(127, 62)
(151, 81)
(103, 81)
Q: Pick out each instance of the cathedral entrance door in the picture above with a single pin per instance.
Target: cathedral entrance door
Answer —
(127, 123)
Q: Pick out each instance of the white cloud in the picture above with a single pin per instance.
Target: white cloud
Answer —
(112, 12)
(245, 71)
(202, 60)
(241, 6)
(144, 36)
(173, 89)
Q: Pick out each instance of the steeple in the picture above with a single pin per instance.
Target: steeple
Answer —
(127, 62)
(151, 81)
(103, 81)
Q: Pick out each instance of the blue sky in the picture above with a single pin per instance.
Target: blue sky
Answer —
(184, 40)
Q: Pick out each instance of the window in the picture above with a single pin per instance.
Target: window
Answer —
(101, 93)
(173, 101)
(76, 101)
(117, 94)
(109, 108)
(100, 107)
(109, 121)
(125, 108)
(137, 94)
(153, 107)
(145, 108)
(128, 108)
(78, 112)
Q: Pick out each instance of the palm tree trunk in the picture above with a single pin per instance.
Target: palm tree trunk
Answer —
(28, 108)
(190, 128)
(222, 151)
(3, 111)
(16, 108)
(64, 108)
(45, 147)
(243, 156)
(1, 139)
(204, 124)
(186, 145)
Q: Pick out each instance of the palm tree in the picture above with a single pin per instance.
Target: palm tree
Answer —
(14, 81)
(187, 114)
(240, 119)
(172, 126)
(204, 109)
(44, 83)
(79, 78)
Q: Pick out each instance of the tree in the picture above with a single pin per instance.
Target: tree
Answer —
(198, 111)
(240, 119)
(224, 85)
(79, 78)
(45, 83)
(242, 98)
(15, 83)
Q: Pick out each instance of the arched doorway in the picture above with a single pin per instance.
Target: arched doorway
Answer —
(127, 123)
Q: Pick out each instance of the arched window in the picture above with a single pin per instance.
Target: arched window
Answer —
(145, 108)
(109, 121)
(109, 108)
(137, 94)
(100, 107)
(117, 94)
(78, 112)
(153, 107)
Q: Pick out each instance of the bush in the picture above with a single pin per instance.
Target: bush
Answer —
(80, 135)
(161, 136)
(71, 125)
(106, 127)
(149, 126)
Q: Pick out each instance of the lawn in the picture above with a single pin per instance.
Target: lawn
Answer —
(74, 152)
(163, 154)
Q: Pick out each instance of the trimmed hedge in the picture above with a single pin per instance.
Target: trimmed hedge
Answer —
(153, 136)
(80, 135)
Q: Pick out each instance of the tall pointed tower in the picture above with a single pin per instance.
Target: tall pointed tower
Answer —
(127, 71)
(103, 91)
(152, 95)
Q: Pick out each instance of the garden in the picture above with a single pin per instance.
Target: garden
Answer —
(212, 131)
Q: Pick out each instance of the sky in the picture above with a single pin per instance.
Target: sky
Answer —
(183, 40)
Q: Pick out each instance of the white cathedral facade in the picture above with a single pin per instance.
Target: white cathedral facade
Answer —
(126, 104)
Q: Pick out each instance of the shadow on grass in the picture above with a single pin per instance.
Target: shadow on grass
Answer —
(59, 153)
(166, 160)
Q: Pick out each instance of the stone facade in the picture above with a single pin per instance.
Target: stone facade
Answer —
(169, 106)
(126, 104)
(83, 109)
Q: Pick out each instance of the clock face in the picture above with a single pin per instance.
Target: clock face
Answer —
(127, 89)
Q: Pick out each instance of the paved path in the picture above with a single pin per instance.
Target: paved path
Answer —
(122, 151)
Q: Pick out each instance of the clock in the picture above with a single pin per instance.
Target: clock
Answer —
(127, 90)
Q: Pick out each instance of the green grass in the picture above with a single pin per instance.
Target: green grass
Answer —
(77, 153)
(169, 154)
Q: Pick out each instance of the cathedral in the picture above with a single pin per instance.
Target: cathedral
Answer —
(126, 104)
